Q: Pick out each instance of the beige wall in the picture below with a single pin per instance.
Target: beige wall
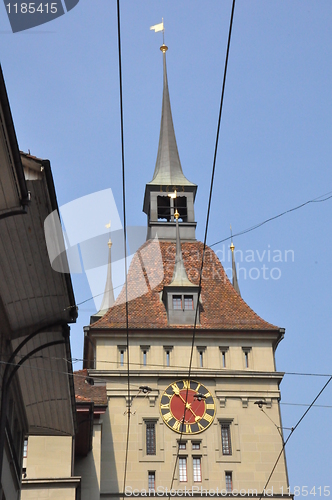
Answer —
(261, 356)
(49, 469)
(51, 491)
(49, 457)
(89, 467)
(256, 441)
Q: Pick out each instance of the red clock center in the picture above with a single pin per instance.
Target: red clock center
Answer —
(195, 408)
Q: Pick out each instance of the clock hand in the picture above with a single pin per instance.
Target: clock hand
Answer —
(176, 391)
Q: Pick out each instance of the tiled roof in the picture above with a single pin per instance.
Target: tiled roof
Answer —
(86, 393)
(152, 267)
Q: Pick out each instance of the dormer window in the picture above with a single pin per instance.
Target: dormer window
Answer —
(183, 302)
(177, 302)
(181, 295)
(189, 302)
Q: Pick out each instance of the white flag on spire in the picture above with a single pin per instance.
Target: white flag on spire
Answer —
(157, 27)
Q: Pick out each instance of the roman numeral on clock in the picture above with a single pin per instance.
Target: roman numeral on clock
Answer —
(168, 416)
(208, 417)
(176, 425)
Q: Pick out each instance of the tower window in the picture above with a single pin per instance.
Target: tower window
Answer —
(196, 445)
(182, 445)
(246, 354)
(201, 359)
(200, 351)
(183, 469)
(151, 479)
(121, 354)
(167, 358)
(226, 438)
(164, 207)
(150, 438)
(144, 354)
(189, 302)
(197, 470)
(229, 481)
(180, 203)
(223, 352)
(177, 302)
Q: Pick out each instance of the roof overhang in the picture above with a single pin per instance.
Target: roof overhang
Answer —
(14, 194)
(46, 381)
(39, 303)
(33, 294)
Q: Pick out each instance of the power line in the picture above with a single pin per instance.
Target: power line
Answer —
(291, 432)
(206, 231)
(101, 380)
(162, 366)
(256, 226)
(125, 239)
(252, 228)
(302, 404)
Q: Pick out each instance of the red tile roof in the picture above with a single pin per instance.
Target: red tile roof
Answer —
(221, 307)
(86, 393)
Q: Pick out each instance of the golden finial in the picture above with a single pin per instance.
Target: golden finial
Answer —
(164, 48)
(109, 243)
(176, 214)
(232, 247)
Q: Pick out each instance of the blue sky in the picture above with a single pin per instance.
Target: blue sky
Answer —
(274, 152)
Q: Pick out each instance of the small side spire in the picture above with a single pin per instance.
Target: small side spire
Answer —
(234, 275)
(108, 298)
(180, 277)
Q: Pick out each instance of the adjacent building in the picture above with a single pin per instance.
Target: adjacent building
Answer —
(36, 306)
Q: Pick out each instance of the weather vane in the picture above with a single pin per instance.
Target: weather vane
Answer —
(159, 27)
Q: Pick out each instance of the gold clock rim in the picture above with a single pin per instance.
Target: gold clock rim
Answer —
(183, 432)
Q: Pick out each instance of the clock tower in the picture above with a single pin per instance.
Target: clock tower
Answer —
(210, 433)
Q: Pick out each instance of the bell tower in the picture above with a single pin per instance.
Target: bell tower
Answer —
(169, 189)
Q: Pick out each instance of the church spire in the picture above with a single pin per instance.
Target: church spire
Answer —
(168, 170)
(180, 277)
(234, 275)
(168, 176)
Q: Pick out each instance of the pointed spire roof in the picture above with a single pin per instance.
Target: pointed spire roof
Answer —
(108, 298)
(234, 280)
(168, 170)
(180, 277)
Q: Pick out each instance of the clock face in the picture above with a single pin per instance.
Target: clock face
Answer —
(191, 400)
